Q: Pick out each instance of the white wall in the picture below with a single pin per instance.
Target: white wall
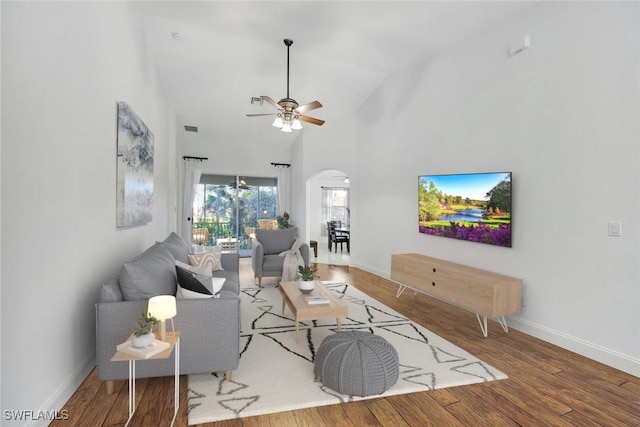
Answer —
(563, 117)
(64, 67)
(236, 157)
(331, 147)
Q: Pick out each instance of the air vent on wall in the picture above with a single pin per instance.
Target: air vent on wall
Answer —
(191, 128)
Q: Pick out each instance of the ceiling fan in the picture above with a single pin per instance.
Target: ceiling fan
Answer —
(290, 113)
(239, 183)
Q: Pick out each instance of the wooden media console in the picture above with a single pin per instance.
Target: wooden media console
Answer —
(483, 292)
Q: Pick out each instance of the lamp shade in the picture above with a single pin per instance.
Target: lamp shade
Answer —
(278, 121)
(162, 307)
(296, 124)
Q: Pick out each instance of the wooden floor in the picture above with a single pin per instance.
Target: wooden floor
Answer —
(547, 385)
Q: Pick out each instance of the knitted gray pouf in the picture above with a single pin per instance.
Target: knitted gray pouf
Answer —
(356, 363)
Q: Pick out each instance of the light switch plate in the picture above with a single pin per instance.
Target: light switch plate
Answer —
(615, 229)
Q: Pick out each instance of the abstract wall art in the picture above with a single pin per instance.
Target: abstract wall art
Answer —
(134, 200)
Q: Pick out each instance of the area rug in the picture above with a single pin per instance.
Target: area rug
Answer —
(276, 372)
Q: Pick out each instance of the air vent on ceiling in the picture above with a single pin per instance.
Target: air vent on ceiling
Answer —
(191, 128)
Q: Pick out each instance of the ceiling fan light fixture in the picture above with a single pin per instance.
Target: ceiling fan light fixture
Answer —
(289, 111)
(296, 125)
(278, 122)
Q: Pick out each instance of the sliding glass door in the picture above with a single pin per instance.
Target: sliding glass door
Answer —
(230, 206)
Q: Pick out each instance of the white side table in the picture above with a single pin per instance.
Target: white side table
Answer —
(173, 338)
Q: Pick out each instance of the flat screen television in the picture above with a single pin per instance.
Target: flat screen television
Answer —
(473, 206)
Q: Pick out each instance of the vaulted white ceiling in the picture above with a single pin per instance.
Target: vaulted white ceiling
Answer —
(230, 51)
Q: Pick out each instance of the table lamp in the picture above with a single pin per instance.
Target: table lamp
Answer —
(163, 307)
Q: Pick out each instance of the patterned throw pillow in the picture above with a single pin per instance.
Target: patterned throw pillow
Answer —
(190, 285)
(207, 259)
(193, 285)
(203, 271)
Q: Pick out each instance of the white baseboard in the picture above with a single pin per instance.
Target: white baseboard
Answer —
(60, 397)
(584, 348)
(370, 270)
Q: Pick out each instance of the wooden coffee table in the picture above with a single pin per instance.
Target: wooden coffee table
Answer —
(302, 310)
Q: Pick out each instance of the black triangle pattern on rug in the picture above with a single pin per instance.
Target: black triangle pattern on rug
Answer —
(247, 340)
(407, 330)
(239, 404)
(442, 356)
(352, 300)
(405, 369)
(193, 395)
(362, 327)
(476, 369)
(229, 387)
(346, 322)
(254, 293)
(428, 380)
(341, 397)
(267, 318)
(377, 315)
(339, 288)
(275, 336)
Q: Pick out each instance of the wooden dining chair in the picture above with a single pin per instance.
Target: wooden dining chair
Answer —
(335, 238)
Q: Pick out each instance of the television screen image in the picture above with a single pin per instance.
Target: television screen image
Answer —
(475, 207)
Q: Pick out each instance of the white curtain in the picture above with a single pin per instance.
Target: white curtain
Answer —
(327, 197)
(284, 190)
(191, 180)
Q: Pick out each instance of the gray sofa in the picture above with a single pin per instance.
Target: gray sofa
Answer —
(266, 248)
(210, 328)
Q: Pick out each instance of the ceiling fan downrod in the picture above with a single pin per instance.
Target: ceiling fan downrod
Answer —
(288, 43)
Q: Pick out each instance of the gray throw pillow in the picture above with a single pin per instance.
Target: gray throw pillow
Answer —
(178, 247)
(150, 274)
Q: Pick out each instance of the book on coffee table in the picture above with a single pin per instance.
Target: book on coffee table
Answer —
(317, 300)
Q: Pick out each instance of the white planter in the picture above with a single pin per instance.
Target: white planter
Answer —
(306, 286)
(143, 340)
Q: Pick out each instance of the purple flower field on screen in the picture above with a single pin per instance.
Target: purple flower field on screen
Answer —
(480, 233)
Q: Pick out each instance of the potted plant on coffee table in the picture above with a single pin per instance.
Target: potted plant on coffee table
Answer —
(307, 276)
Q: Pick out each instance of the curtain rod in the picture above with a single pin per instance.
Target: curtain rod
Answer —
(194, 158)
(284, 165)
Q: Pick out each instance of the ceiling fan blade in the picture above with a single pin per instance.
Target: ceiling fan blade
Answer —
(311, 120)
(308, 107)
(273, 103)
(256, 115)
